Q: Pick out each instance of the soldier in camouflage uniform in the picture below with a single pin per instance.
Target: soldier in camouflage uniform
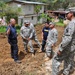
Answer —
(51, 41)
(34, 37)
(66, 48)
(27, 33)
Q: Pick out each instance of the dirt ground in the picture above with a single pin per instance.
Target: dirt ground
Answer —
(29, 65)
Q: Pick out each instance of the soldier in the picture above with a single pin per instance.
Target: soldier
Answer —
(27, 33)
(51, 41)
(34, 37)
(12, 40)
(66, 48)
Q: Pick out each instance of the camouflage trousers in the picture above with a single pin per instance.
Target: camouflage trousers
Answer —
(68, 63)
(49, 49)
(36, 40)
(28, 43)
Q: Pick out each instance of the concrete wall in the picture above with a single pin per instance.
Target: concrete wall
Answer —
(27, 8)
(32, 19)
(42, 9)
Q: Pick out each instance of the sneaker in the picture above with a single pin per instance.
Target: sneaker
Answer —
(65, 74)
(40, 51)
(71, 71)
(47, 58)
(33, 55)
(18, 61)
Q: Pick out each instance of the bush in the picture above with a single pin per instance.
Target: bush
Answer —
(18, 27)
(2, 29)
(11, 15)
(61, 20)
(59, 24)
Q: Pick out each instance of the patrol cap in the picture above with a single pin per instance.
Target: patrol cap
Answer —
(72, 11)
(52, 23)
(26, 21)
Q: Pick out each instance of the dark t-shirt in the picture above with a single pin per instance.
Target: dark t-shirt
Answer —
(45, 31)
(13, 33)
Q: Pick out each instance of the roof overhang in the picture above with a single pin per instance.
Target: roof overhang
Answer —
(60, 12)
(27, 2)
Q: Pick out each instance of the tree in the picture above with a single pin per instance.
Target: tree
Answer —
(5, 0)
(56, 4)
(45, 17)
(12, 12)
(9, 11)
(2, 8)
(37, 9)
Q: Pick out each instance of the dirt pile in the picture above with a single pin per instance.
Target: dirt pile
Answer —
(29, 65)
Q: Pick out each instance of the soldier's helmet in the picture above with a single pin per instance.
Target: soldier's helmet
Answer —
(27, 22)
(52, 23)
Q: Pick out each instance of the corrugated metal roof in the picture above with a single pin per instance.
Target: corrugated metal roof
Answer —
(61, 11)
(72, 8)
(30, 2)
(58, 11)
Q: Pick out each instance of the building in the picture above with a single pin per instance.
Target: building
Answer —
(71, 9)
(28, 10)
(59, 13)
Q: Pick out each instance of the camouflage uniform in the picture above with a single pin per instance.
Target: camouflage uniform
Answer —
(67, 47)
(51, 39)
(34, 37)
(26, 32)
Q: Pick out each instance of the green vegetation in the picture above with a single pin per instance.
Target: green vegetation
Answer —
(45, 16)
(2, 8)
(53, 4)
(56, 4)
(18, 28)
(12, 12)
(9, 11)
(60, 24)
(3, 29)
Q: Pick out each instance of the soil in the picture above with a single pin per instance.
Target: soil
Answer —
(30, 65)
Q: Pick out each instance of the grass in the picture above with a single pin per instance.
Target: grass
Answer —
(59, 24)
(18, 30)
(3, 29)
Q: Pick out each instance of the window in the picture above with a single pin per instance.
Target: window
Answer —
(29, 8)
(32, 17)
(19, 5)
